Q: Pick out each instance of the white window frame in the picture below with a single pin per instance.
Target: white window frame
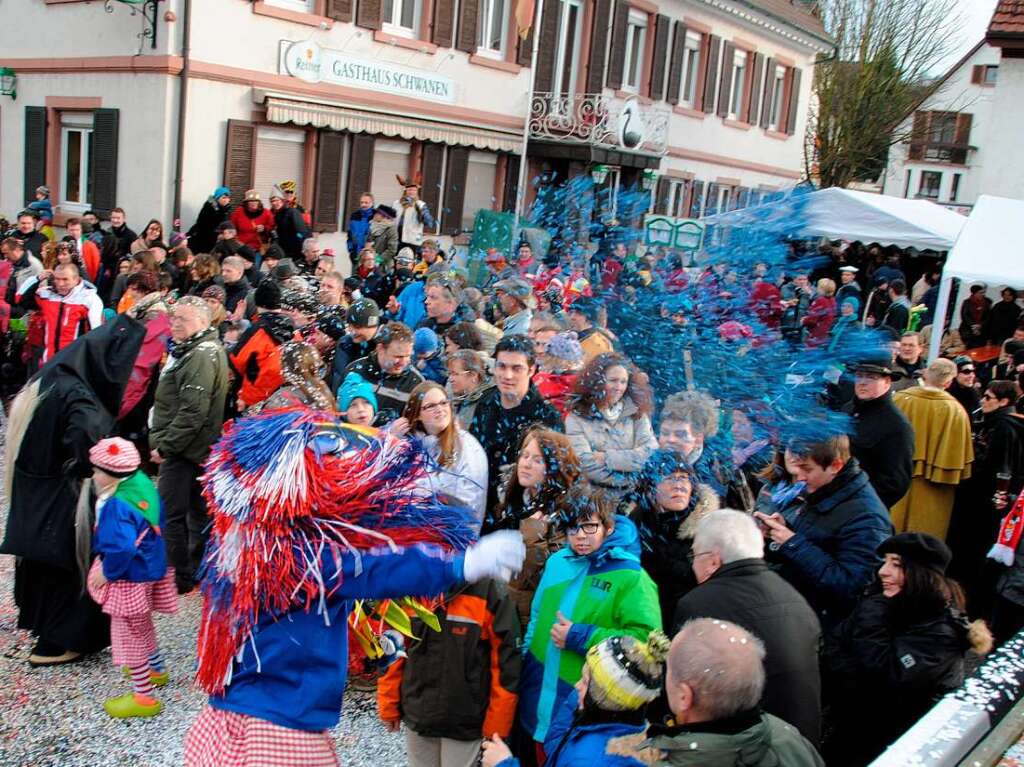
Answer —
(613, 181)
(778, 95)
(993, 70)
(393, 25)
(75, 122)
(677, 192)
(739, 79)
(691, 70)
(920, 185)
(725, 194)
(636, 38)
(300, 6)
(486, 22)
(560, 49)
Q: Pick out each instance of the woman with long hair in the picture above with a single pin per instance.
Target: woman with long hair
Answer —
(468, 381)
(302, 371)
(609, 425)
(204, 273)
(544, 470)
(900, 650)
(459, 464)
(152, 236)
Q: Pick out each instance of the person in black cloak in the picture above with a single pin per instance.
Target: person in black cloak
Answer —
(69, 405)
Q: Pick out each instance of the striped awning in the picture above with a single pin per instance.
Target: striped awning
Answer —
(340, 118)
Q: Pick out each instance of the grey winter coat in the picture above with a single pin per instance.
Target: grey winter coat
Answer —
(626, 443)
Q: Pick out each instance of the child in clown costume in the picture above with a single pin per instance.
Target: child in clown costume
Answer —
(308, 515)
(130, 578)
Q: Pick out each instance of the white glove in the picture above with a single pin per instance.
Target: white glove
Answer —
(498, 555)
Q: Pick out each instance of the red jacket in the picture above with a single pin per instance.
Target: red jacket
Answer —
(819, 320)
(64, 318)
(257, 357)
(246, 225)
(147, 364)
(556, 388)
(766, 303)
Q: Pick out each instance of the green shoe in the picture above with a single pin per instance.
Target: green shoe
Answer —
(159, 679)
(125, 707)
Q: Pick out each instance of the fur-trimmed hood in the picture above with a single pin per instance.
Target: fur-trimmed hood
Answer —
(707, 501)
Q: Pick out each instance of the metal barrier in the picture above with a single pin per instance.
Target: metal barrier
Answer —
(961, 723)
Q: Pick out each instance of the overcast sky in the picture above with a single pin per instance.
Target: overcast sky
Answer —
(976, 15)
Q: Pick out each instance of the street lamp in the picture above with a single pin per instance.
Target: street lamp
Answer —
(8, 82)
(599, 173)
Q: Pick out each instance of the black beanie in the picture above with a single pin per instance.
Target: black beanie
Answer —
(919, 548)
(268, 295)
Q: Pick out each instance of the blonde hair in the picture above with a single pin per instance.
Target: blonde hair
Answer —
(826, 286)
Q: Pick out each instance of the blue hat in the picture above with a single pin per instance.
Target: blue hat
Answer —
(852, 300)
(220, 191)
(356, 387)
(425, 342)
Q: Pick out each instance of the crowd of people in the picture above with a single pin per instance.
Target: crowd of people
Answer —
(697, 585)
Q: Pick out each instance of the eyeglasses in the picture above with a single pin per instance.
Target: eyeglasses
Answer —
(967, 370)
(588, 528)
(693, 555)
(436, 408)
(989, 395)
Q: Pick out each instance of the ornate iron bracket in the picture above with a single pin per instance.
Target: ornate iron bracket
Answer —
(148, 10)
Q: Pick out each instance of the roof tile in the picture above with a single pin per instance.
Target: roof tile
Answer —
(1008, 18)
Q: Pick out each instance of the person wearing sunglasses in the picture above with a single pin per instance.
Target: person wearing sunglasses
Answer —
(599, 583)
(965, 388)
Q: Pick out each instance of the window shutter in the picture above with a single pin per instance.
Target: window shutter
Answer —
(977, 74)
(794, 101)
(524, 47)
(360, 168)
(469, 14)
(675, 67)
(455, 189)
(341, 10)
(433, 166)
(711, 199)
(725, 91)
(754, 102)
(598, 46)
(661, 194)
(696, 199)
(963, 129)
(617, 60)
(544, 80)
(741, 198)
(710, 74)
(328, 181)
(662, 27)
(35, 152)
(239, 157)
(769, 92)
(511, 183)
(103, 165)
(369, 14)
(918, 135)
(444, 23)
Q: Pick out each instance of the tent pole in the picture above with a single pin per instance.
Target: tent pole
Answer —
(939, 321)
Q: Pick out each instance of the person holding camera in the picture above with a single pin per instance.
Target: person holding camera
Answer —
(414, 216)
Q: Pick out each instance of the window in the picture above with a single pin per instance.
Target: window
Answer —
(75, 160)
(942, 128)
(930, 182)
(491, 28)
(302, 6)
(691, 71)
(636, 39)
(724, 198)
(954, 190)
(739, 80)
(280, 155)
(401, 17)
(906, 183)
(390, 158)
(481, 171)
(677, 199)
(991, 75)
(778, 94)
(568, 43)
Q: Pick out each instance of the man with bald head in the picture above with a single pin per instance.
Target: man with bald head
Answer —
(69, 306)
(713, 684)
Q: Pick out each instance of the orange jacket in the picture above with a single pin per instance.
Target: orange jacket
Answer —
(257, 357)
(459, 682)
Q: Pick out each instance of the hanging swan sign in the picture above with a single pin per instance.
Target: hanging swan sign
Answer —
(632, 130)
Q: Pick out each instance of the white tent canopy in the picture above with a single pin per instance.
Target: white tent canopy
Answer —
(843, 214)
(986, 251)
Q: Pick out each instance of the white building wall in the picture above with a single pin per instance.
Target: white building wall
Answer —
(1003, 175)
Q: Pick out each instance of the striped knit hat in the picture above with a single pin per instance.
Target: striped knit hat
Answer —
(625, 673)
(117, 457)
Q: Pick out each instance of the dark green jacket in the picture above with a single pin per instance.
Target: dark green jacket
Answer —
(188, 411)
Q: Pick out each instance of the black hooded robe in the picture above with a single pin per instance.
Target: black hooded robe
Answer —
(80, 391)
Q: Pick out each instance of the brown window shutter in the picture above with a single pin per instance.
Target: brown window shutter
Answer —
(511, 183)
(328, 181)
(524, 49)
(918, 136)
(369, 14)
(360, 168)
(617, 59)
(469, 15)
(977, 74)
(696, 207)
(103, 168)
(455, 189)
(662, 27)
(725, 90)
(711, 199)
(239, 157)
(963, 129)
(793, 110)
(433, 166)
(754, 100)
(675, 67)
(710, 74)
(544, 80)
(598, 45)
(444, 24)
(769, 92)
(35, 151)
(341, 10)
(661, 196)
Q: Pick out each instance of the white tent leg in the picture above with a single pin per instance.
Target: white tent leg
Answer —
(939, 321)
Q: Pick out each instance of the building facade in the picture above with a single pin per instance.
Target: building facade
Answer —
(151, 105)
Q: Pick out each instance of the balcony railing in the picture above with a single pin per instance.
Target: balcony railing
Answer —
(933, 151)
(596, 119)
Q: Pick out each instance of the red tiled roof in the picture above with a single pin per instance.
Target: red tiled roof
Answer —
(796, 13)
(1008, 19)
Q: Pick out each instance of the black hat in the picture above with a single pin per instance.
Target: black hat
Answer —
(268, 295)
(588, 307)
(920, 548)
(331, 321)
(299, 301)
(364, 313)
(878, 368)
(284, 269)
(387, 211)
(274, 251)
(223, 226)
